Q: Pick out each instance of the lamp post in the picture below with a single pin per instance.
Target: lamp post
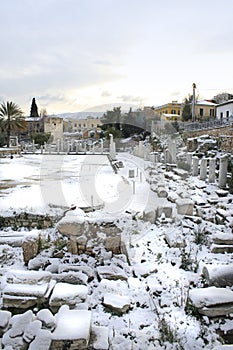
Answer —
(193, 103)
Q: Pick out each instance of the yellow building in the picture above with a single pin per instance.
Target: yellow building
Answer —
(204, 110)
(172, 108)
(173, 111)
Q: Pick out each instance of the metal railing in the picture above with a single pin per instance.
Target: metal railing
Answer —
(210, 124)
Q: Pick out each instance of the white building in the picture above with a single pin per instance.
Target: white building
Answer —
(224, 111)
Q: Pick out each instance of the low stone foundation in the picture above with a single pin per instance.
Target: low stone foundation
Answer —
(27, 220)
(87, 235)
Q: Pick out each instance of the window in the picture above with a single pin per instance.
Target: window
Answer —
(227, 115)
(79, 125)
(75, 125)
(211, 112)
(173, 111)
(201, 112)
(221, 115)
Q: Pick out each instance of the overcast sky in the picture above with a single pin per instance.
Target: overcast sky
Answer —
(72, 55)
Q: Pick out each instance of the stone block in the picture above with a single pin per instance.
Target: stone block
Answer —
(149, 215)
(30, 248)
(66, 293)
(162, 192)
(165, 209)
(218, 275)
(73, 327)
(113, 243)
(184, 206)
(212, 301)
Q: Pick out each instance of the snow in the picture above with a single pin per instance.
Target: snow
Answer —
(116, 301)
(210, 296)
(156, 287)
(44, 183)
(73, 324)
(42, 340)
(26, 289)
(68, 292)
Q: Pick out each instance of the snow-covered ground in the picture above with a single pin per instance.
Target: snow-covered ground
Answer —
(158, 277)
(41, 183)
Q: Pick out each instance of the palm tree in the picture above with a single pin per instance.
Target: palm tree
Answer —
(11, 118)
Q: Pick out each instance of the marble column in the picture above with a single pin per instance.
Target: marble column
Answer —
(203, 169)
(112, 148)
(101, 146)
(195, 166)
(62, 145)
(172, 151)
(212, 167)
(167, 157)
(189, 160)
(222, 181)
(140, 149)
(58, 145)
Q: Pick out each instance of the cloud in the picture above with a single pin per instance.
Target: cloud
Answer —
(106, 93)
(52, 98)
(103, 63)
(129, 98)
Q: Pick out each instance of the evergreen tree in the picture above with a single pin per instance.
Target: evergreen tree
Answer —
(112, 119)
(34, 109)
(187, 111)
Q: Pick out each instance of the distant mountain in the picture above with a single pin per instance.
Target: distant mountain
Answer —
(97, 111)
(108, 107)
(80, 115)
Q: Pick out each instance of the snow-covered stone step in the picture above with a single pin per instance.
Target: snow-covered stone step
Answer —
(221, 248)
(70, 294)
(218, 275)
(24, 296)
(13, 241)
(28, 277)
(111, 272)
(212, 301)
(223, 238)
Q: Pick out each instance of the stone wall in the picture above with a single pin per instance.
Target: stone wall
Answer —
(87, 236)
(27, 220)
(224, 136)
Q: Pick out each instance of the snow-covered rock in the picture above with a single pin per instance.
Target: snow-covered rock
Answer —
(100, 338)
(42, 340)
(47, 318)
(184, 206)
(116, 302)
(145, 269)
(65, 293)
(212, 301)
(28, 277)
(72, 325)
(4, 320)
(111, 272)
(218, 275)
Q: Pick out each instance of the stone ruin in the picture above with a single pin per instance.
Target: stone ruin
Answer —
(85, 233)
